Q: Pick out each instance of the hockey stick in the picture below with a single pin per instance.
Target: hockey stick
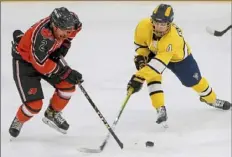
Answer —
(217, 33)
(97, 110)
(113, 127)
(101, 116)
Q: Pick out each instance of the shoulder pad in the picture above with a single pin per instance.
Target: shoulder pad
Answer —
(143, 32)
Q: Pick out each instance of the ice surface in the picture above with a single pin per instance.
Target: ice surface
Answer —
(103, 52)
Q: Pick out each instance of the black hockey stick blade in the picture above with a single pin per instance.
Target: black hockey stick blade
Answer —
(217, 33)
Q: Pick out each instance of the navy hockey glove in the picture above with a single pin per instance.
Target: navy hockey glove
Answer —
(17, 35)
(135, 83)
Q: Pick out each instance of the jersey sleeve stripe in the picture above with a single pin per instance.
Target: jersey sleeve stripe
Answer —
(157, 65)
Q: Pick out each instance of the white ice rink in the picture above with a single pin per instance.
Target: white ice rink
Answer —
(103, 52)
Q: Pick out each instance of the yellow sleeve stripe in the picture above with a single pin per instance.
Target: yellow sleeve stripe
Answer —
(158, 65)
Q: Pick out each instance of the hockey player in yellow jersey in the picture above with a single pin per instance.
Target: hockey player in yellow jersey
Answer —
(159, 44)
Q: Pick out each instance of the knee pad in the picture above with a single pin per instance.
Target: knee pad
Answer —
(65, 90)
(66, 94)
(32, 108)
(64, 85)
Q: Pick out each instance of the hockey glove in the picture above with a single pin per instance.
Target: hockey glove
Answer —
(71, 76)
(140, 62)
(135, 83)
(62, 51)
(17, 35)
(67, 74)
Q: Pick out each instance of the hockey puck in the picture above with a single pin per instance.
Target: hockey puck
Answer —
(149, 144)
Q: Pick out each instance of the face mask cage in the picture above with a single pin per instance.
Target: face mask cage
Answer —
(163, 29)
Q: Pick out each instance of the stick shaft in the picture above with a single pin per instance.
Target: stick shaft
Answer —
(116, 120)
(101, 116)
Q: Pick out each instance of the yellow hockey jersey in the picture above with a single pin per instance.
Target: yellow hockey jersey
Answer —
(169, 48)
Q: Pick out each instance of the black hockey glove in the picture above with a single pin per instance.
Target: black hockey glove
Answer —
(67, 74)
(62, 51)
(140, 61)
(70, 75)
(135, 83)
(17, 35)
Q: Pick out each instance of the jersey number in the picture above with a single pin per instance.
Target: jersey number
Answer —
(169, 48)
(42, 45)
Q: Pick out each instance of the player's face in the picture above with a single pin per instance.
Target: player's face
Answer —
(160, 28)
(62, 34)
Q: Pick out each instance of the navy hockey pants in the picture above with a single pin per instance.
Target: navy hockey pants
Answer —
(187, 71)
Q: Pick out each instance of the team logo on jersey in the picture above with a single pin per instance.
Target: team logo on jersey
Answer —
(196, 76)
(47, 34)
(32, 91)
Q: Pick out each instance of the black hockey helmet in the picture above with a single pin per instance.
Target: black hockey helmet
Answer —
(64, 19)
(163, 14)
